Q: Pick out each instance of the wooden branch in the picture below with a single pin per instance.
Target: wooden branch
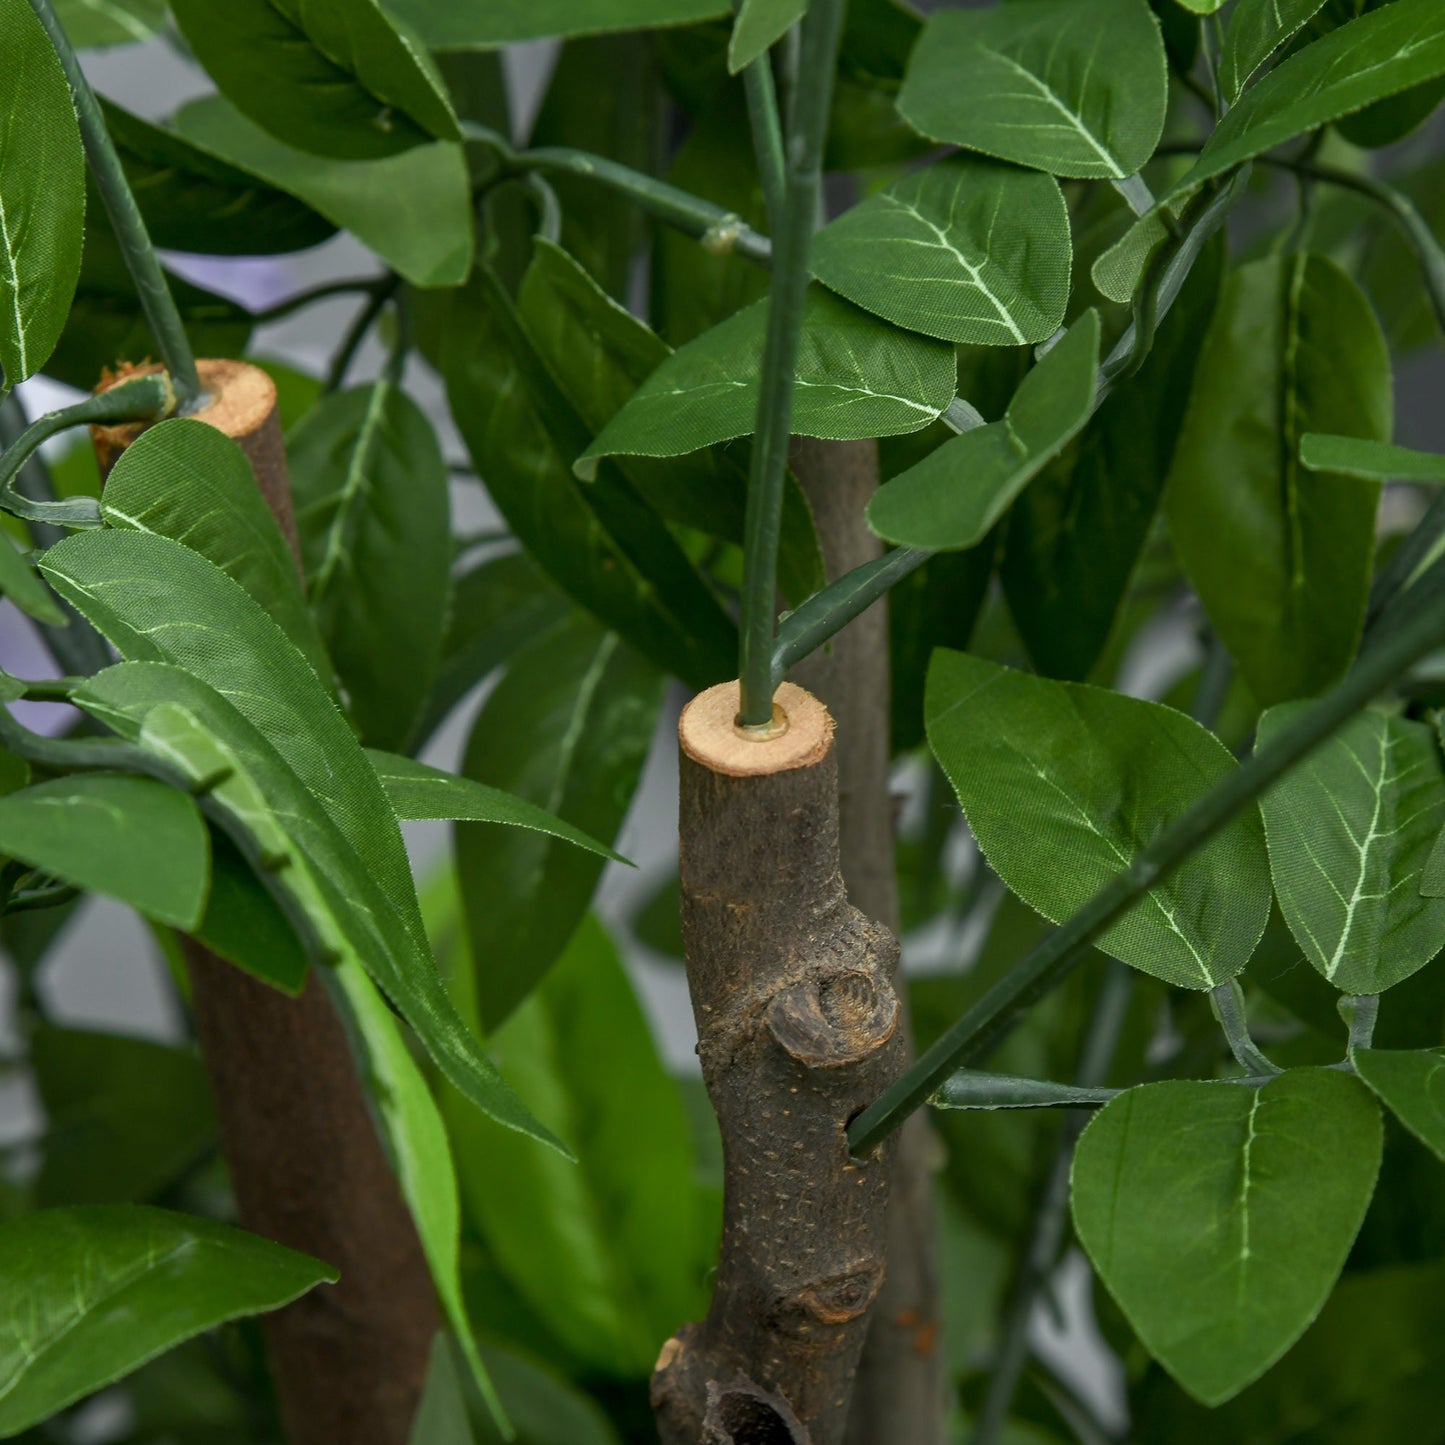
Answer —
(798, 1029)
(899, 1393)
(306, 1163)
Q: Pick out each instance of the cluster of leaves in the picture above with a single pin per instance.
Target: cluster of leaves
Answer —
(1083, 392)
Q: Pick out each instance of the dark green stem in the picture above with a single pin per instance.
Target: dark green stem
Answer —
(767, 133)
(1226, 1002)
(125, 219)
(807, 127)
(983, 1025)
(358, 286)
(356, 333)
(1359, 1012)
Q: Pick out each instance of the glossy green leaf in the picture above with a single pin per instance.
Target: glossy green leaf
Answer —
(129, 838)
(413, 210)
(856, 377)
(42, 195)
(1076, 534)
(1389, 50)
(336, 78)
(964, 249)
(1257, 28)
(1201, 7)
(1411, 1084)
(1064, 784)
(1378, 461)
(96, 1291)
(1392, 119)
(125, 1117)
(599, 354)
(372, 508)
(597, 542)
(760, 24)
(1281, 558)
(441, 1417)
(19, 583)
(155, 600)
(1219, 1215)
(110, 22)
(1074, 87)
(567, 729)
(463, 24)
(956, 493)
(417, 790)
(1349, 832)
(609, 1252)
(190, 482)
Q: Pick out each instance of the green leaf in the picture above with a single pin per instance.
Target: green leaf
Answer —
(956, 493)
(374, 515)
(193, 202)
(1202, 7)
(599, 354)
(976, 1089)
(1281, 559)
(1349, 832)
(760, 24)
(546, 1408)
(466, 24)
(132, 839)
(338, 78)
(964, 249)
(1378, 461)
(1389, 50)
(99, 1290)
(187, 481)
(1073, 87)
(610, 1252)
(42, 196)
(417, 790)
(156, 600)
(413, 210)
(125, 1117)
(19, 583)
(1257, 28)
(1219, 1216)
(441, 1417)
(1076, 534)
(1411, 1084)
(110, 22)
(567, 729)
(856, 377)
(1394, 118)
(1064, 784)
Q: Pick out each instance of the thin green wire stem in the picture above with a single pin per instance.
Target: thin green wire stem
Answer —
(125, 218)
(989, 1019)
(767, 132)
(822, 28)
(356, 333)
(354, 286)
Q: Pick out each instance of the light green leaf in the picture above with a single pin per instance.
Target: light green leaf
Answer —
(482, 24)
(110, 22)
(125, 1117)
(42, 196)
(1257, 28)
(1349, 832)
(1064, 784)
(612, 1251)
(1281, 559)
(417, 790)
(1378, 461)
(1411, 1084)
(1219, 1215)
(1073, 87)
(567, 729)
(1202, 7)
(156, 600)
(372, 508)
(965, 250)
(337, 78)
(132, 839)
(187, 481)
(958, 491)
(19, 583)
(856, 377)
(1389, 50)
(441, 1417)
(760, 25)
(413, 210)
(97, 1291)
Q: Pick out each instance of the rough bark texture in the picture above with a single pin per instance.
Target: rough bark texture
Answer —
(306, 1163)
(899, 1394)
(798, 1029)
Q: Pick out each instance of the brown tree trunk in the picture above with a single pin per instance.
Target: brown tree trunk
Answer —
(306, 1163)
(798, 1030)
(899, 1394)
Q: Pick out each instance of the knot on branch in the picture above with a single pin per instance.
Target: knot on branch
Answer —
(837, 1300)
(834, 1021)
